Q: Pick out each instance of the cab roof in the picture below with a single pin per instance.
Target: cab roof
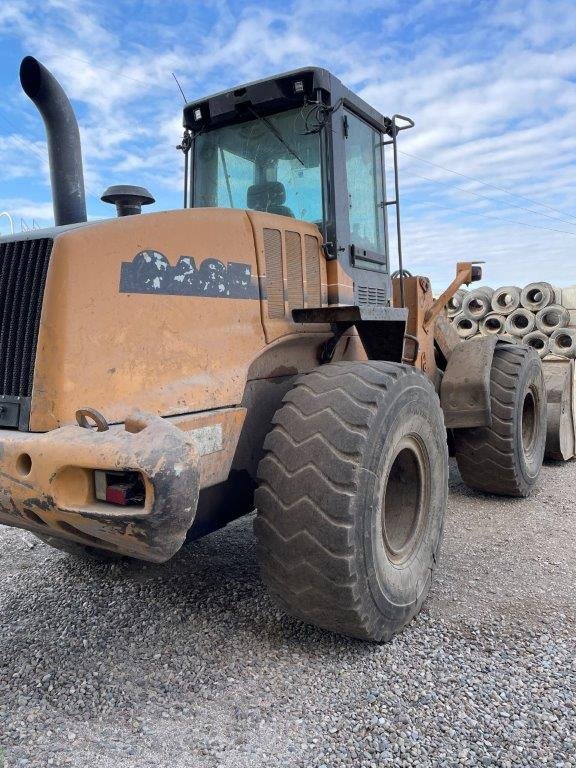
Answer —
(287, 90)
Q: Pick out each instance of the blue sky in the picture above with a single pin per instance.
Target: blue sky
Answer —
(491, 86)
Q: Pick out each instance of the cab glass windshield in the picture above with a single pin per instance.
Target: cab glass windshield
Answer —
(267, 164)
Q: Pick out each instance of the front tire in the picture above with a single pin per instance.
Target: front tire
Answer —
(352, 495)
(506, 457)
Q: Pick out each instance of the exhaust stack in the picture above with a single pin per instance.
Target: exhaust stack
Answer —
(64, 150)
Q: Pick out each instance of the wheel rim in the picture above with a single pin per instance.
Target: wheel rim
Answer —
(405, 500)
(529, 421)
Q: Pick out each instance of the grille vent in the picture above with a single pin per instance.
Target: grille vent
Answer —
(287, 268)
(294, 270)
(274, 272)
(369, 295)
(313, 280)
(23, 268)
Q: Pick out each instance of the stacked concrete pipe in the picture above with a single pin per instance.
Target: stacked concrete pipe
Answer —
(552, 318)
(454, 306)
(465, 326)
(520, 323)
(538, 341)
(563, 342)
(537, 296)
(538, 315)
(477, 303)
(506, 299)
(492, 324)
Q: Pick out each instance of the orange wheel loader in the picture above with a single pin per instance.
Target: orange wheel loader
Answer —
(162, 374)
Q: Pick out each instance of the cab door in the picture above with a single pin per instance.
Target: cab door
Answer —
(365, 227)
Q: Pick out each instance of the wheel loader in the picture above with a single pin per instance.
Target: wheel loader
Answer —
(162, 374)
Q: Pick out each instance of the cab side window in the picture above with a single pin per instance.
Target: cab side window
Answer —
(365, 184)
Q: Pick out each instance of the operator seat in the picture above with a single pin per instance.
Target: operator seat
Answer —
(269, 197)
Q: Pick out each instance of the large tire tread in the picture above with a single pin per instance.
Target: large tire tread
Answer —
(486, 456)
(308, 480)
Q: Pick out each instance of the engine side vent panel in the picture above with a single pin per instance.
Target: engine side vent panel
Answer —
(373, 296)
(313, 277)
(23, 269)
(274, 272)
(294, 270)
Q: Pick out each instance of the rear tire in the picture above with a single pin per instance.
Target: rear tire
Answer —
(506, 457)
(352, 494)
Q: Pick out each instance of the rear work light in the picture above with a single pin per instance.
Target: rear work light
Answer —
(125, 489)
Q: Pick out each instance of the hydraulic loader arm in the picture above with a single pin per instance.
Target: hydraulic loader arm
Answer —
(415, 294)
(466, 272)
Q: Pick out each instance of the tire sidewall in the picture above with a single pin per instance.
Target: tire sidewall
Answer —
(412, 408)
(531, 379)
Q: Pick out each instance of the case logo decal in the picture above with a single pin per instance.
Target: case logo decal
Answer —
(151, 272)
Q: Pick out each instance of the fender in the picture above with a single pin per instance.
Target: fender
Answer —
(465, 388)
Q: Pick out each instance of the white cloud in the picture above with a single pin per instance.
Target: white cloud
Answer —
(20, 158)
(24, 214)
(492, 89)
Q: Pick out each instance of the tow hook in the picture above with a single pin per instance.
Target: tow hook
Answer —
(85, 415)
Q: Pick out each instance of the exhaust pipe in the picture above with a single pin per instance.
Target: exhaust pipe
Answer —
(64, 150)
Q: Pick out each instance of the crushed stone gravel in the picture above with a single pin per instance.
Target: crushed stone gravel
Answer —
(190, 664)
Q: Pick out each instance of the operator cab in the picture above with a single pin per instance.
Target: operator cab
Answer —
(300, 145)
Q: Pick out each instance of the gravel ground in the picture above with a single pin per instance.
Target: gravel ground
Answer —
(190, 664)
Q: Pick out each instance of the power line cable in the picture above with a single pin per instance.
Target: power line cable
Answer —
(490, 199)
(485, 183)
(147, 83)
(28, 145)
(499, 218)
(42, 155)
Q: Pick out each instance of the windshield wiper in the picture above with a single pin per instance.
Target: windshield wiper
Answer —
(226, 176)
(278, 135)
